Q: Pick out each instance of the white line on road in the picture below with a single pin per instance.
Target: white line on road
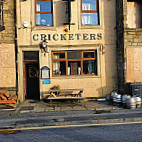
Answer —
(82, 125)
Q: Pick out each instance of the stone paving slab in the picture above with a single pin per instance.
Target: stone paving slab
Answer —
(46, 107)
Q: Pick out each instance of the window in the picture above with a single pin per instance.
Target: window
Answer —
(74, 63)
(134, 13)
(89, 12)
(31, 55)
(43, 13)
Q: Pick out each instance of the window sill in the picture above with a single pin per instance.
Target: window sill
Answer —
(44, 28)
(90, 27)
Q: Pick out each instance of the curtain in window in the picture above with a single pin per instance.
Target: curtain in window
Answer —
(38, 15)
(86, 19)
(56, 65)
(56, 68)
(86, 6)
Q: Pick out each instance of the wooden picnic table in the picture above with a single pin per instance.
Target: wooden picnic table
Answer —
(64, 94)
(6, 99)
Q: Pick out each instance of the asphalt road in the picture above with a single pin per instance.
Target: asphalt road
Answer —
(103, 133)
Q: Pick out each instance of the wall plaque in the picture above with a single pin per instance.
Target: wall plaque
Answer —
(45, 73)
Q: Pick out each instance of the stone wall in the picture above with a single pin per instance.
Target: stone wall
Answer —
(7, 49)
(133, 49)
(7, 36)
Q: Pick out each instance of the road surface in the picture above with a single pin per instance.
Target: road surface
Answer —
(98, 133)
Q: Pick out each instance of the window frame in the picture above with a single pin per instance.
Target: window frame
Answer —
(91, 11)
(66, 60)
(43, 12)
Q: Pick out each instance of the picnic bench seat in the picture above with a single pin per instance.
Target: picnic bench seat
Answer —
(7, 99)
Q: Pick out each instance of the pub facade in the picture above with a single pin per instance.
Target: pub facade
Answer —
(70, 43)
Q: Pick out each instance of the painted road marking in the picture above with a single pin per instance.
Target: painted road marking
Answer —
(70, 126)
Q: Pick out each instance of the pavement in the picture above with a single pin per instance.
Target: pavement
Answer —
(32, 113)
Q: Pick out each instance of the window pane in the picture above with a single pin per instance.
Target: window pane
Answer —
(89, 5)
(88, 55)
(58, 55)
(90, 18)
(44, 19)
(31, 55)
(74, 68)
(74, 55)
(90, 67)
(43, 6)
(59, 68)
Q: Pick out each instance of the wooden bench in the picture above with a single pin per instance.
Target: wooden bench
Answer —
(6, 99)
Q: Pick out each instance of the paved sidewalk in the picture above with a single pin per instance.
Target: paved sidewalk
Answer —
(33, 106)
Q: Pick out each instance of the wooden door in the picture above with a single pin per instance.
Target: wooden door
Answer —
(32, 81)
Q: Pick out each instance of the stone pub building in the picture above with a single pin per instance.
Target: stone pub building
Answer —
(75, 40)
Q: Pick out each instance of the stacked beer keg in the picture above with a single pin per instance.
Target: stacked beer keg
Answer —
(127, 101)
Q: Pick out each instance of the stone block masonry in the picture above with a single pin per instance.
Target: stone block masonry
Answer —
(7, 49)
(7, 35)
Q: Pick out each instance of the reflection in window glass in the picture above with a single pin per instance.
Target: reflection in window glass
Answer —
(43, 6)
(58, 55)
(90, 18)
(89, 5)
(43, 13)
(44, 19)
(31, 55)
(74, 63)
(89, 67)
(74, 55)
(59, 68)
(74, 68)
(88, 55)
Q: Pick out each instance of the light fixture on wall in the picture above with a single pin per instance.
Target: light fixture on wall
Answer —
(43, 46)
(25, 24)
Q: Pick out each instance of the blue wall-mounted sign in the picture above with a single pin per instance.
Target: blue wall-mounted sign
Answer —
(46, 81)
(45, 73)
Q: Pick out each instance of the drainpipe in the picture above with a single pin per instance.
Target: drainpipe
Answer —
(16, 48)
